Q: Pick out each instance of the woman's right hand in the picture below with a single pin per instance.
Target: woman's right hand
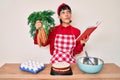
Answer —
(38, 24)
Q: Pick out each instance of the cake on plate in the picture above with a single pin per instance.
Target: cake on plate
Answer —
(61, 68)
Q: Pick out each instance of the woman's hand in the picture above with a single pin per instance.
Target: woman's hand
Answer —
(41, 36)
(38, 24)
(83, 41)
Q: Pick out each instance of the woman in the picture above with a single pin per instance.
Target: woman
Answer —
(62, 39)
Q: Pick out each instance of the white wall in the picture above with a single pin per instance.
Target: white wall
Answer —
(16, 45)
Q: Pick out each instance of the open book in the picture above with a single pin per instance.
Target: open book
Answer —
(88, 32)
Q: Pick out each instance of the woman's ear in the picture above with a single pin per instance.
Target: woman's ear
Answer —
(59, 17)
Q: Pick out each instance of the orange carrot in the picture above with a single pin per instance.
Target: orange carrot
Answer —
(41, 37)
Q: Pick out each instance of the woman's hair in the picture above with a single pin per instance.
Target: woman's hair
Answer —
(63, 7)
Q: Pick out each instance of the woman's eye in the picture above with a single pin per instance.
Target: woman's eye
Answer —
(63, 12)
(69, 12)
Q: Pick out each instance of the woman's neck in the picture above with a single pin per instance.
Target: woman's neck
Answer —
(65, 24)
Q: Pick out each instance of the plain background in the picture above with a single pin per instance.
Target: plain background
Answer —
(17, 46)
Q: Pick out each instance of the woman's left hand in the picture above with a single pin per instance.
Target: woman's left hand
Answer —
(83, 41)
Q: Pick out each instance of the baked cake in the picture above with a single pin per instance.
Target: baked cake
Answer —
(61, 68)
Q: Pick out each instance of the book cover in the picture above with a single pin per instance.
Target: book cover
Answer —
(86, 33)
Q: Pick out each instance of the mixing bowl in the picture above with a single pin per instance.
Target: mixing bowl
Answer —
(90, 64)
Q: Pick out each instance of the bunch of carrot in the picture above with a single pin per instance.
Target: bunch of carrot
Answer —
(41, 37)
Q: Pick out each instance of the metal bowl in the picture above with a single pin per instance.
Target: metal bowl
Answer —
(90, 64)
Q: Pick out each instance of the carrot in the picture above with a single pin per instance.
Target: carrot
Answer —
(41, 37)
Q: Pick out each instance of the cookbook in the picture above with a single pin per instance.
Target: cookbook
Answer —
(88, 31)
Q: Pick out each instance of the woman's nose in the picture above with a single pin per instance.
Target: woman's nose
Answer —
(66, 14)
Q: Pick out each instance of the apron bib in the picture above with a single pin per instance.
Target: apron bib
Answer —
(64, 45)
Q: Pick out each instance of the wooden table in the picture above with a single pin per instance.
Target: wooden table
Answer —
(110, 71)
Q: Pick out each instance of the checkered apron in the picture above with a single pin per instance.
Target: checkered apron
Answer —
(64, 45)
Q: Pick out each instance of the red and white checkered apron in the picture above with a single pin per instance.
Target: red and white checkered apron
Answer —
(64, 45)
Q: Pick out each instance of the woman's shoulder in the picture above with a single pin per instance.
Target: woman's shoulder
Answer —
(75, 29)
(54, 29)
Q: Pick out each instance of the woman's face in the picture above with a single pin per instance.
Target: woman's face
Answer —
(65, 16)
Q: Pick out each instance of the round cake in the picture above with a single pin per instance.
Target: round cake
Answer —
(61, 67)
